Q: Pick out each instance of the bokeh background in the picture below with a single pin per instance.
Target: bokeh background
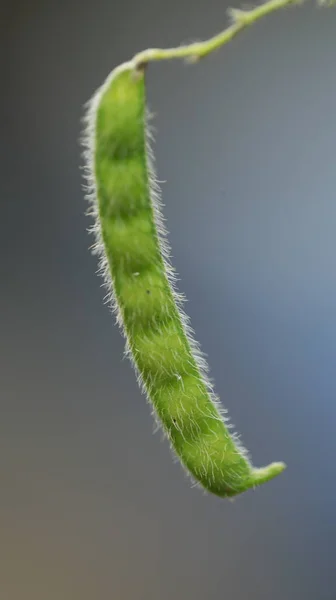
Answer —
(91, 503)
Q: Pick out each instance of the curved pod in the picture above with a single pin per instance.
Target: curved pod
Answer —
(130, 239)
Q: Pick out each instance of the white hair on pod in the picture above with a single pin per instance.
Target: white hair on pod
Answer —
(89, 143)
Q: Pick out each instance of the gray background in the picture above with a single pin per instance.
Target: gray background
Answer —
(91, 504)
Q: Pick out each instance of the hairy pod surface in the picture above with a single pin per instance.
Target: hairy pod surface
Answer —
(131, 242)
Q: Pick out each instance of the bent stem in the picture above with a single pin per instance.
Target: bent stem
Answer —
(241, 19)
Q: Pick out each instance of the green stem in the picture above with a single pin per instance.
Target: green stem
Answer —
(197, 50)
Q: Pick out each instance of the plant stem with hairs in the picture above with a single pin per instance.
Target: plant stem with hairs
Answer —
(241, 19)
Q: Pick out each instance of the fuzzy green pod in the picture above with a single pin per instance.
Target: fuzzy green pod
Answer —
(131, 242)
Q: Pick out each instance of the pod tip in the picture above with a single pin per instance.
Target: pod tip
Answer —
(263, 474)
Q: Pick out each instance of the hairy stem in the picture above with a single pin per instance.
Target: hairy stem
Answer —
(241, 19)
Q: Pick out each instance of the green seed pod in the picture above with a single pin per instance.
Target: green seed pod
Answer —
(131, 242)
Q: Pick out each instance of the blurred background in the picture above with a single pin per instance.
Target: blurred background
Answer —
(91, 503)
